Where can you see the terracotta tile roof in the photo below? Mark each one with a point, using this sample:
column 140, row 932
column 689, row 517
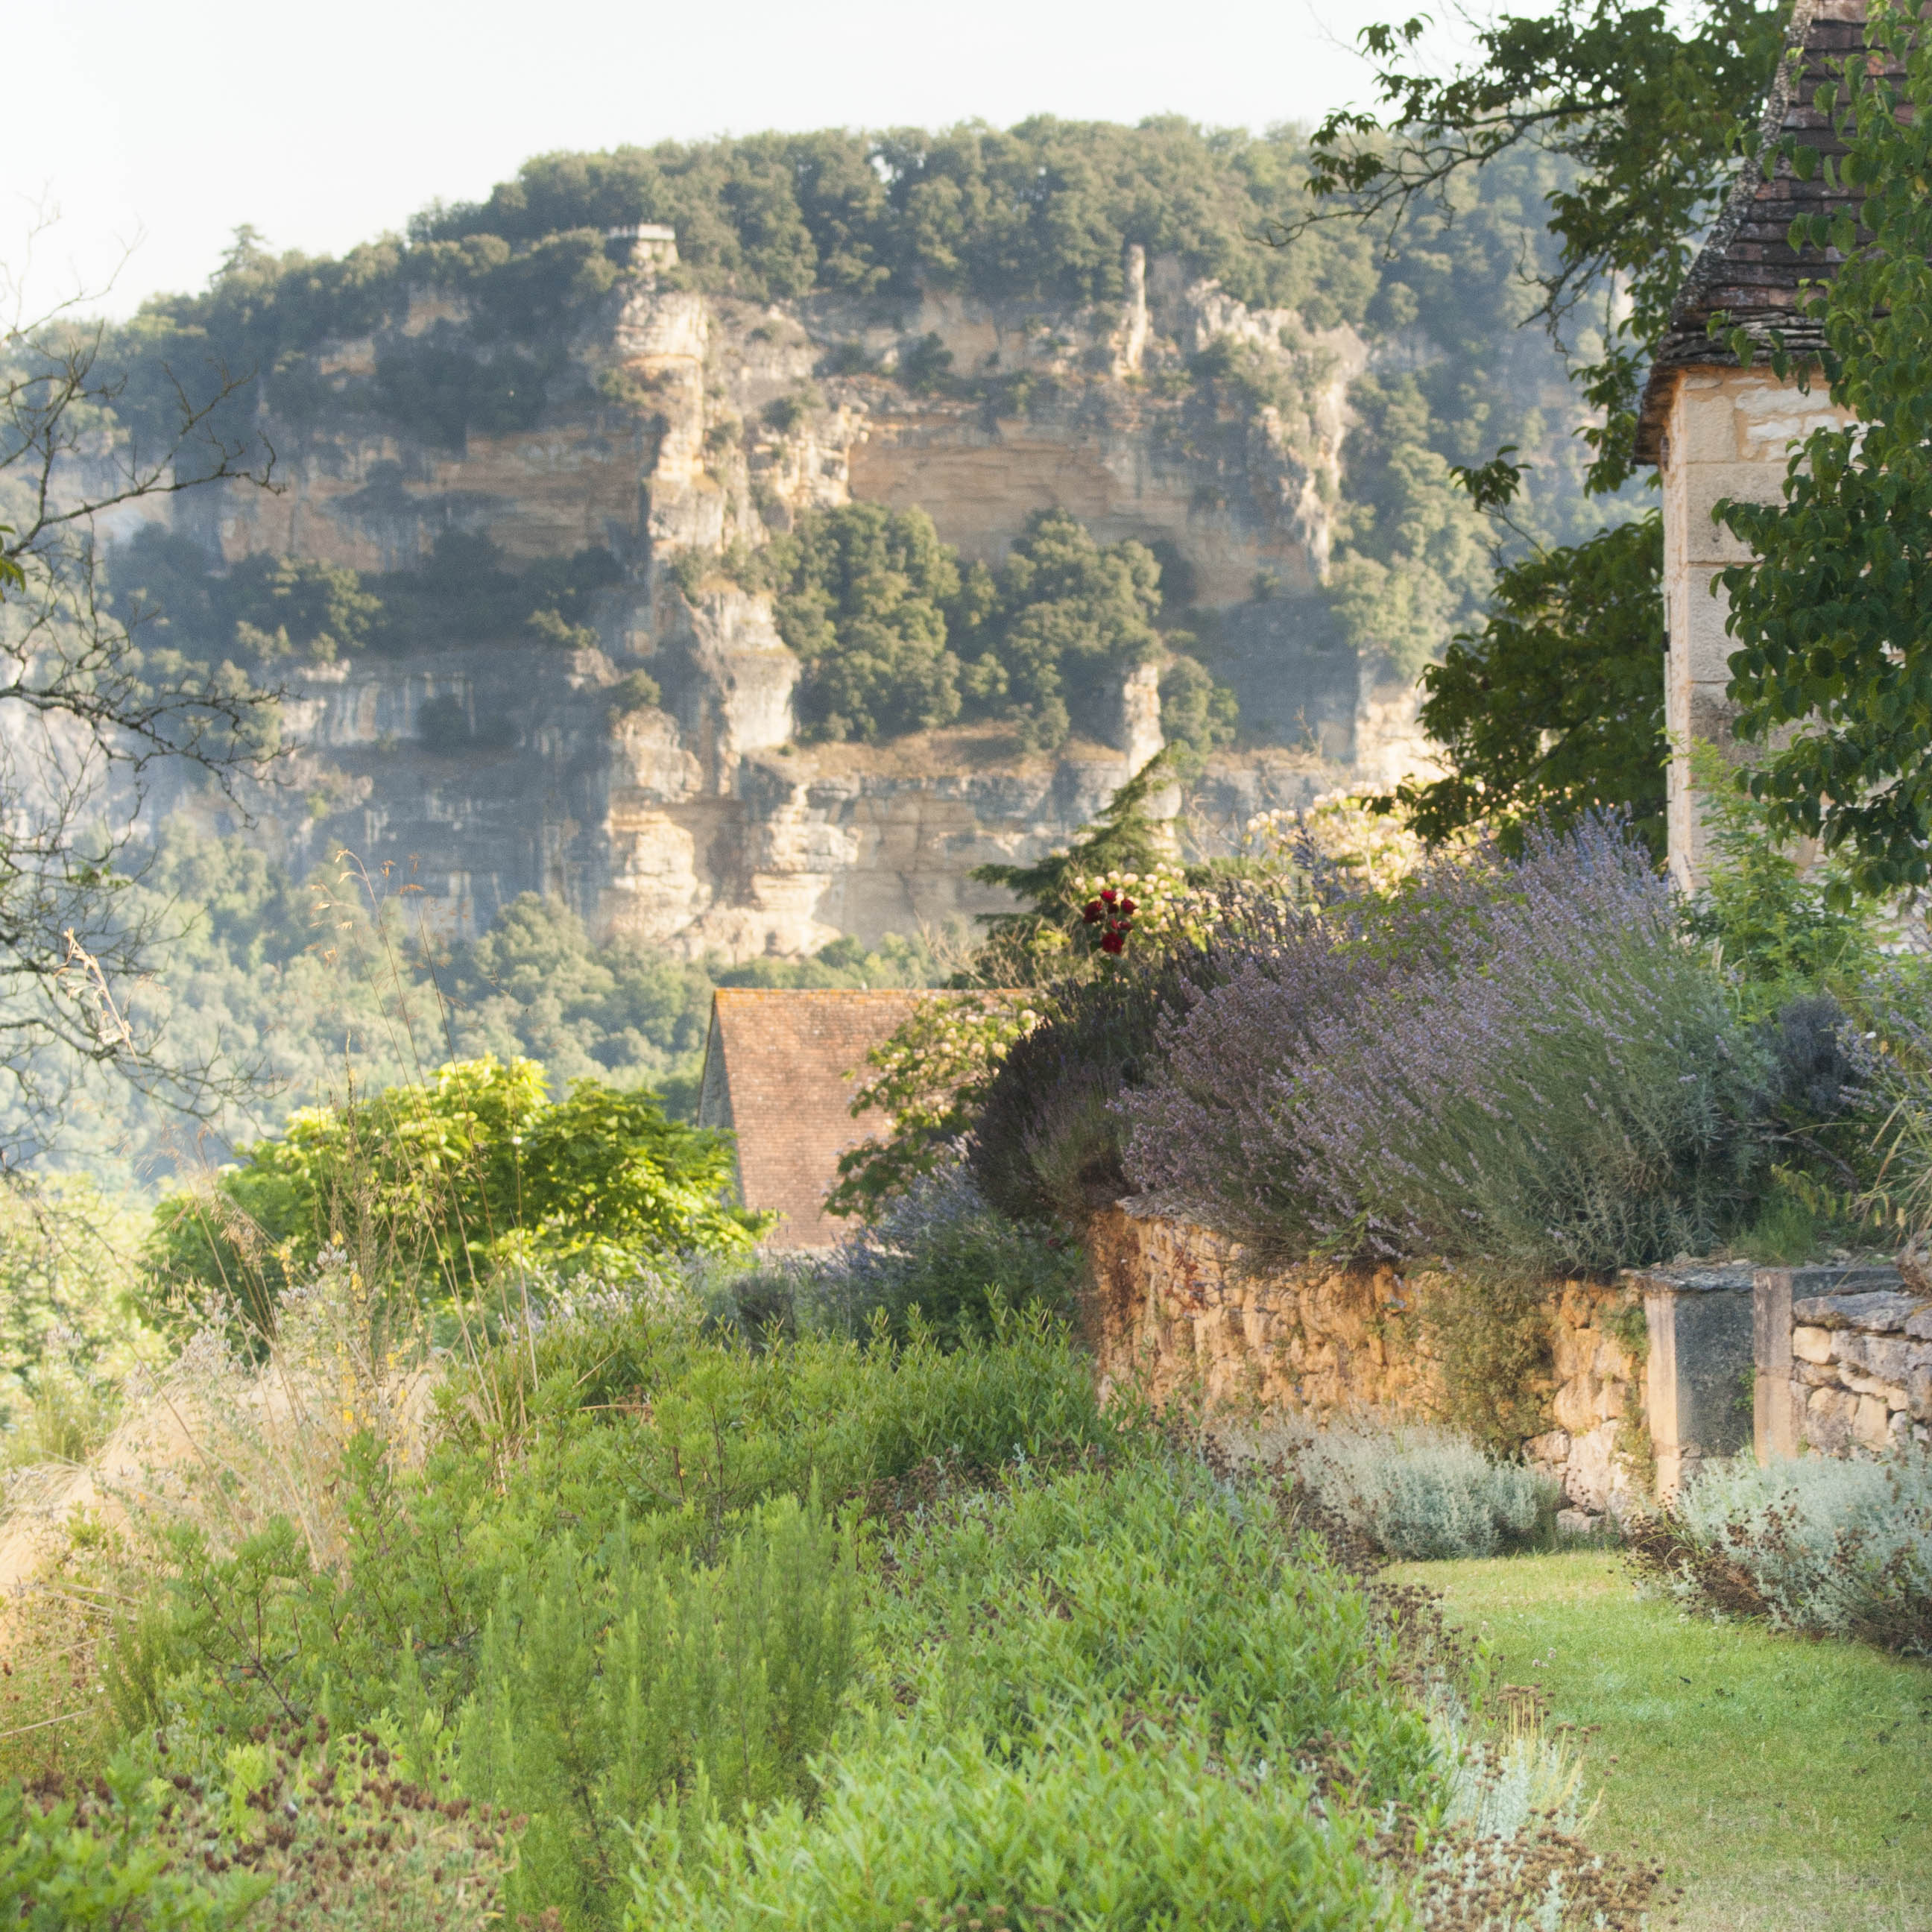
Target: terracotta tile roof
column 1746, row 268
column 780, row 1070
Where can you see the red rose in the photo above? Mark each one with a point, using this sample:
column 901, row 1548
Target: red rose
column 1128, row 908
column 1092, row 912
column 1107, row 894
column 1113, row 940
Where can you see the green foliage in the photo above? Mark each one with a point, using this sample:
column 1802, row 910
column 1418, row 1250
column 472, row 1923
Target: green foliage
column 861, row 595
column 603, row 1693
column 1044, row 210
column 267, row 610
column 1778, row 928
column 1048, row 1143
column 1196, row 710
column 650, row 1439
column 58, row 1871
column 896, row 637
column 1650, row 110
column 291, row 1831
column 69, row 1329
column 286, row 606
column 1029, row 945
column 936, row 1259
column 1554, row 708
column 1490, row 1328
column 1818, row 1544
column 1066, row 618
column 1081, row 1730
column 428, row 1184
column 1830, row 617
column 1415, row 558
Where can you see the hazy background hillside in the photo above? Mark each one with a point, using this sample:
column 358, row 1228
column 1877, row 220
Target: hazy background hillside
column 467, row 639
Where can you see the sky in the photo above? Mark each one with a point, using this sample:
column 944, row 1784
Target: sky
column 151, row 132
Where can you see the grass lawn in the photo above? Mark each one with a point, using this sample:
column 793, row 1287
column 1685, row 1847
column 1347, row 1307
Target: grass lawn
column 1784, row 1783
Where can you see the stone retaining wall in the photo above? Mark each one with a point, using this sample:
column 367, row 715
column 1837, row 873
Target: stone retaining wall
column 1181, row 1314
column 1833, row 1360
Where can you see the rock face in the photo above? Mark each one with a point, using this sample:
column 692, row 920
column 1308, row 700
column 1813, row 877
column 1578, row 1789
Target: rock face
column 688, row 423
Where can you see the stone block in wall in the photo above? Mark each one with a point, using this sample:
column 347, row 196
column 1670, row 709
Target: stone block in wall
column 1825, row 1423
column 1696, row 1381
column 1793, row 1313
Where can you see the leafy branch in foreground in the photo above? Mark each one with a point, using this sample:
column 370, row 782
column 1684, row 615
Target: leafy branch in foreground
column 1554, row 709
column 85, row 717
column 1654, row 108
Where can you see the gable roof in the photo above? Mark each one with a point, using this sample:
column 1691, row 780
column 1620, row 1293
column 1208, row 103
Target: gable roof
column 1747, row 269
column 780, row 1070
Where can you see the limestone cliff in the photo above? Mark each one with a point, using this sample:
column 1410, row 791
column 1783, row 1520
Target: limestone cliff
column 689, row 422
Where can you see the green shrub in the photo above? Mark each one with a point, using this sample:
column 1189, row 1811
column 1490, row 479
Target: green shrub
column 1490, row 1328
column 603, row 1693
column 292, row 1831
column 99, row 1862
column 626, row 1423
column 1105, row 1690
column 938, row 1258
column 1420, row 1494
column 1049, row 1143
column 427, row 1185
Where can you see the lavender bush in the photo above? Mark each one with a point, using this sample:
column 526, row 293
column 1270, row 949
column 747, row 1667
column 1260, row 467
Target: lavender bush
column 1519, row 1059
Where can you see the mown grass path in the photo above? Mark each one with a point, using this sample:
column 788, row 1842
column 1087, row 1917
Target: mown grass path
column 1787, row 1785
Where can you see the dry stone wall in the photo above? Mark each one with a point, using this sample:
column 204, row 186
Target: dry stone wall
column 1843, row 1362
column 1184, row 1315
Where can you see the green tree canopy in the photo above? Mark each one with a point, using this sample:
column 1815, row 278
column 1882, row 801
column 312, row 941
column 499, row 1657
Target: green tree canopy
column 861, row 596
column 1065, row 617
column 1550, row 703
column 427, row 1186
column 1554, row 707
column 896, row 637
column 1651, row 110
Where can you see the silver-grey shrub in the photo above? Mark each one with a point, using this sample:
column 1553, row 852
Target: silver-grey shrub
column 1840, row 1548
column 1419, row 1492
column 1521, row 1060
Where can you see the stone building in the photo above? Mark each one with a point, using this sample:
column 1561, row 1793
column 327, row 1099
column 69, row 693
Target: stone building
column 1714, row 429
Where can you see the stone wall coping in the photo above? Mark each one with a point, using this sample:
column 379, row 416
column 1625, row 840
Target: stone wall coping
column 1834, row 1278
column 1692, row 1278
column 1886, row 1312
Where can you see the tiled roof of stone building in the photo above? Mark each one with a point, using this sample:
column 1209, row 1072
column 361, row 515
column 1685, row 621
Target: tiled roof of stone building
column 780, row 1070
column 1747, row 269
